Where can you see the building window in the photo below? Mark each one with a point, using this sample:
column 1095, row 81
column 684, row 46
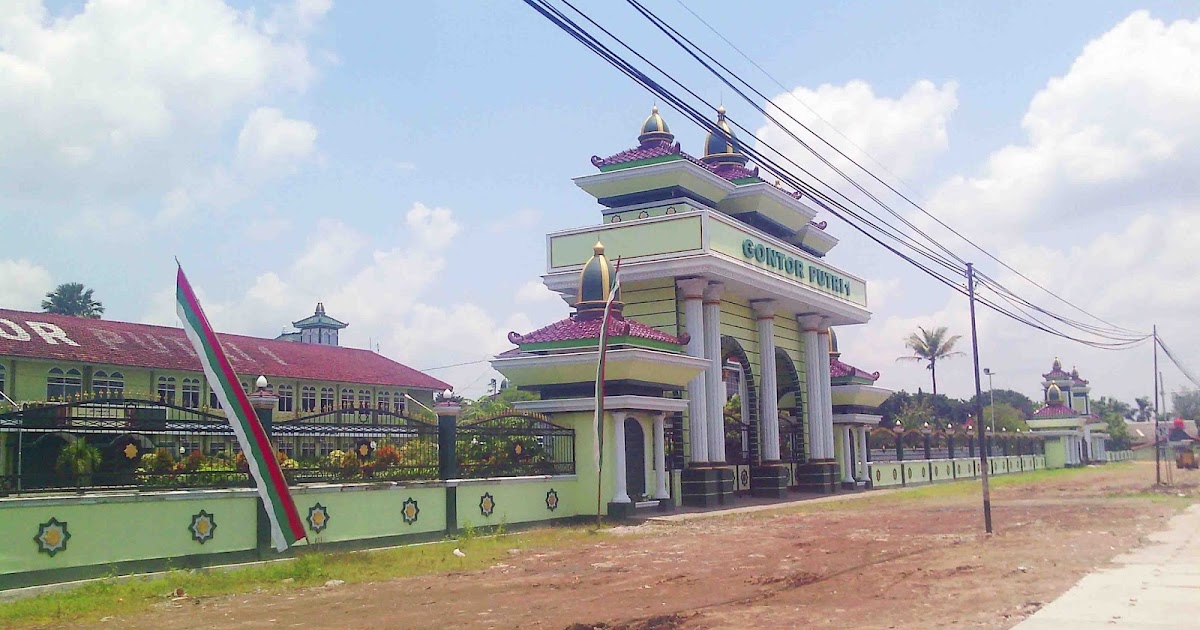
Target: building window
column 2, row 379
column 188, row 445
column 191, row 392
column 285, row 398
column 212, row 400
column 63, row 385
column 326, row 399
column 166, row 390
column 308, row 449
column 108, row 385
column 364, row 398
column 347, row 399
column 308, row 399
column 384, row 400
column 216, row 446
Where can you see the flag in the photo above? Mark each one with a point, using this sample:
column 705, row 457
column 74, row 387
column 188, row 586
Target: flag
column 286, row 526
column 598, row 425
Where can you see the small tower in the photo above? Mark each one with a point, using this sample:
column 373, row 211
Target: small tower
column 320, row 328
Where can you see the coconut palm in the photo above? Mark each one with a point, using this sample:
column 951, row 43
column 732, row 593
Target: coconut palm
column 72, row 298
column 929, row 347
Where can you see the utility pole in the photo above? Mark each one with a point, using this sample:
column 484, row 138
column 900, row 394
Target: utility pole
column 1157, row 445
column 979, row 433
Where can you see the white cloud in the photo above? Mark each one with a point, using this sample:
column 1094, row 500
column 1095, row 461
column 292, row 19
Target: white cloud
column 126, row 101
column 378, row 283
column 1117, row 132
column 1100, row 203
column 904, row 134
column 274, row 145
column 534, row 291
column 23, row 284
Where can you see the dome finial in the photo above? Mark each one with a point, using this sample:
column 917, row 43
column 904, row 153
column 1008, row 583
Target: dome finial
column 722, row 147
column 596, row 284
column 655, row 130
column 598, row 249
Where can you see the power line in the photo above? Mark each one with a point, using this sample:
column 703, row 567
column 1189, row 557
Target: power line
column 592, row 43
column 981, row 249
column 1186, row 372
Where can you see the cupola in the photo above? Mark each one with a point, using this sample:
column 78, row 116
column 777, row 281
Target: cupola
column 596, row 284
column 721, row 146
column 655, row 130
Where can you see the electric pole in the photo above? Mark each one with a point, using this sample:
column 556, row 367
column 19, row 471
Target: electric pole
column 1157, row 444
column 979, row 433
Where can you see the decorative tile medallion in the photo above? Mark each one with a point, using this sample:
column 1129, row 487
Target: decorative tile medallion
column 552, row 500
column 318, row 518
column 203, row 527
column 487, row 504
column 52, row 536
column 518, row 449
column 130, row 451
column 410, row 511
column 745, row 477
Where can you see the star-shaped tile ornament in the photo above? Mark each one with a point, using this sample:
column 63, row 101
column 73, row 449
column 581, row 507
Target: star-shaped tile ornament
column 52, row 536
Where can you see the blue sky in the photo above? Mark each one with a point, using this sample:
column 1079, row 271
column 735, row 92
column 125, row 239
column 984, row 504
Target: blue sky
column 403, row 161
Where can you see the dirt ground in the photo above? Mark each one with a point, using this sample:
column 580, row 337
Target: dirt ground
column 890, row 561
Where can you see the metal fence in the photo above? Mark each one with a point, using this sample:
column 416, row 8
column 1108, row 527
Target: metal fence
column 513, row 444
column 112, row 442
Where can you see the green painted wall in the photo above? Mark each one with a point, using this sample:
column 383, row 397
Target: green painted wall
column 115, row 529
column 514, row 501
column 667, row 235
column 358, row 512
column 1056, row 452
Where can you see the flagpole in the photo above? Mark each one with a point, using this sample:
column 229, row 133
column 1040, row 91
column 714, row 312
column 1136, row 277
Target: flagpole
column 599, row 420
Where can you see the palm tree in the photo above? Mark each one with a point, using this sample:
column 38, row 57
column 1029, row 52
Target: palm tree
column 72, row 298
column 929, row 346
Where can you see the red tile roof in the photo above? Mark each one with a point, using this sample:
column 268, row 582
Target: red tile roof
column 657, row 148
column 104, row 342
column 839, row 369
column 1055, row 411
column 578, row 329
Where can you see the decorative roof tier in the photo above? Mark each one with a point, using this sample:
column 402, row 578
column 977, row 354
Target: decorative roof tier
column 319, row 319
column 582, row 328
column 1075, row 375
column 1056, row 372
column 1055, row 407
column 838, row 369
column 656, row 144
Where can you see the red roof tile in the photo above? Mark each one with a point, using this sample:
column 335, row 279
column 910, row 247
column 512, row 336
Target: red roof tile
column 104, row 342
column 577, row 329
column 1055, row 411
column 839, row 369
column 658, row 148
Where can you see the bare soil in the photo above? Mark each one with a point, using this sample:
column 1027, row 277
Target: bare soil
column 887, row 561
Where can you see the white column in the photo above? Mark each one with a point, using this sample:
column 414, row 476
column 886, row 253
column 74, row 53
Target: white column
column 826, row 391
column 768, row 417
column 620, row 493
column 660, row 458
column 812, row 381
column 693, row 321
column 862, row 453
column 847, row 457
column 715, row 403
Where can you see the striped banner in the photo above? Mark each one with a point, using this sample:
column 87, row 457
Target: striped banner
column 598, row 425
column 286, row 526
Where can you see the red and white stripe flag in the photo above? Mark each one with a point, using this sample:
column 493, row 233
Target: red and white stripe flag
column 286, row 526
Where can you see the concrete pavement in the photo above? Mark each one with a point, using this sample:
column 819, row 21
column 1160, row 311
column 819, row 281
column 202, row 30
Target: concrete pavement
column 1153, row 587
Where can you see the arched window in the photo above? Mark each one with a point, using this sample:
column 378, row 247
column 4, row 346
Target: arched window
column 166, row 389
column 364, row 399
column 347, row 398
column 63, row 385
column 212, row 400
column 308, row 398
column 2, row 379
column 326, row 398
column 286, row 398
column 191, row 392
column 384, row 400
column 108, row 385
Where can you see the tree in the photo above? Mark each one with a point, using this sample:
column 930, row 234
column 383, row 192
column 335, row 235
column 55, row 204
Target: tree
column 489, row 405
column 930, row 347
column 1012, row 398
column 940, row 409
column 1104, row 406
column 1145, row 410
column 1007, row 417
column 1186, row 405
column 73, row 299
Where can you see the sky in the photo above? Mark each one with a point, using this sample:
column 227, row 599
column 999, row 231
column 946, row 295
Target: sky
column 402, row 162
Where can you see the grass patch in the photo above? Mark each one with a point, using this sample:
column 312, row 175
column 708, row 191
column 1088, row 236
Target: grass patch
column 112, row 597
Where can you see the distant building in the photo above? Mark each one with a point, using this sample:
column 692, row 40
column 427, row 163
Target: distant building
column 319, row 329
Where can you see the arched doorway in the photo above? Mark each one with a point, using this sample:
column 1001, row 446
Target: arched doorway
column 635, row 459
column 792, row 449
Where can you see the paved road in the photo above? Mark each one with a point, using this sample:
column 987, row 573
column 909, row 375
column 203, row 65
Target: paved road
column 1152, row 587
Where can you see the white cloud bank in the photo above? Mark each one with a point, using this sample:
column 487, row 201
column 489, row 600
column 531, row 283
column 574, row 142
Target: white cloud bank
column 1100, row 202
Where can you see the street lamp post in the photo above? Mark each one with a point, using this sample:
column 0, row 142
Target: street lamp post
column 925, row 433
column 950, row 440
column 991, row 395
column 899, row 431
